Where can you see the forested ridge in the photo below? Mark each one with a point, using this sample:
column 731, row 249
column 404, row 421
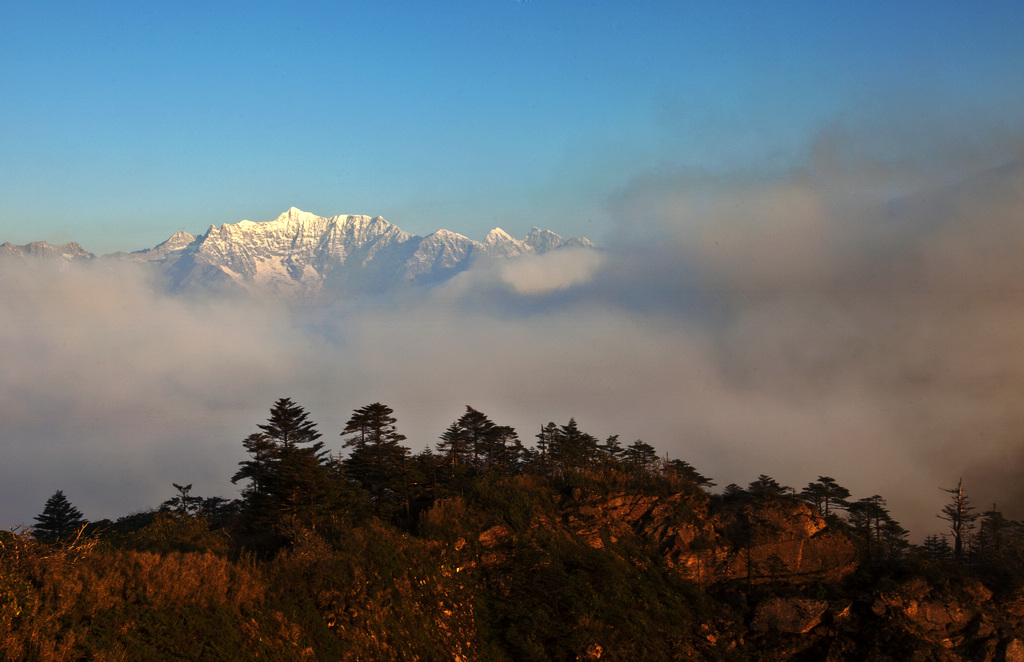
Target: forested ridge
column 484, row 547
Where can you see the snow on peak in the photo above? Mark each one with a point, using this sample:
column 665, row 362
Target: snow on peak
column 496, row 235
column 499, row 243
column 178, row 240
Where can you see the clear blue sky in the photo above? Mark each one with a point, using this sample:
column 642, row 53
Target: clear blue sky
column 122, row 122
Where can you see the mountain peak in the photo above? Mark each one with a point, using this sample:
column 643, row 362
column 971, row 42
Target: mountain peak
column 301, row 254
column 495, row 235
column 177, row 241
column 499, row 243
column 42, row 250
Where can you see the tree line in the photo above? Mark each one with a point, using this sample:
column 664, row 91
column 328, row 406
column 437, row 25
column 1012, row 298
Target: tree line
column 290, row 481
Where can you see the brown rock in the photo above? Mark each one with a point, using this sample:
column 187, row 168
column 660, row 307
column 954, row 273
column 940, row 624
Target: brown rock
column 1014, row 651
column 792, row 615
column 494, row 536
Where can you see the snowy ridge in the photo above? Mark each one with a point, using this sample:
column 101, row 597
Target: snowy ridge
column 305, row 255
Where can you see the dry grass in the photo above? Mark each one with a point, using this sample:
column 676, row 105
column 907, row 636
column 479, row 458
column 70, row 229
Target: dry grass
column 50, row 594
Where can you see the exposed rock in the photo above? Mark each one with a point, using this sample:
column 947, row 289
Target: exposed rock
column 792, row 615
column 783, row 540
column 1014, row 651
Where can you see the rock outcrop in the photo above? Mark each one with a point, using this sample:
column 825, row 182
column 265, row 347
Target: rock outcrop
column 777, row 540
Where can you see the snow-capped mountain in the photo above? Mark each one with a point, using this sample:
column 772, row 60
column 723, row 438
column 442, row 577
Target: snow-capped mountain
column 40, row 250
column 303, row 254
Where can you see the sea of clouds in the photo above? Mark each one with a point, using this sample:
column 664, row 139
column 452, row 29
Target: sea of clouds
column 858, row 317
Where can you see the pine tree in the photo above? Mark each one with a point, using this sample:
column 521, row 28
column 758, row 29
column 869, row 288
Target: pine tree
column 59, row 519
column 826, row 495
column 869, row 518
column 547, row 449
column 687, row 471
column 454, row 445
column 959, row 513
column 481, row 435
column 766, row 486
column 574, row 448
column 377, row 460
column 640, row 456
column 993, row 537
column 183, row 503
column 937, row 548
column 507, row 450
column 287, row 472
column 611, row 450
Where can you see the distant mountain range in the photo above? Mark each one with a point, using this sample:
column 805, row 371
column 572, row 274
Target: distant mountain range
column 305, row 255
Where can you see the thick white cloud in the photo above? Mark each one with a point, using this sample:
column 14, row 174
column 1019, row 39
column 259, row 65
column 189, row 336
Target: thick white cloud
column 857, row 320
column 550, row 272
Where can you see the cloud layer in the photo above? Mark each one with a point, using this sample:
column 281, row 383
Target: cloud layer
column 861, row 318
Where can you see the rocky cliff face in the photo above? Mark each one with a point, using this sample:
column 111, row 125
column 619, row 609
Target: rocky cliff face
column 789, row 580
column 782, row 540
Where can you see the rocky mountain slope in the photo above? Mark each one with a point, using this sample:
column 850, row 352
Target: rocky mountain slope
column 41, row 250
column 516, row 569
column 302, row 254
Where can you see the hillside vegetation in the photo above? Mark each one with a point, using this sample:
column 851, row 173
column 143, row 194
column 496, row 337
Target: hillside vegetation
column 484, row 549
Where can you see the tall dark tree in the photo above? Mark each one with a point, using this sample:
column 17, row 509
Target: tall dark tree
column 183, row 503
column 993, row 540
column 611, row 450
column 574, row 449
column 454, row 446
column 766, row 486
column 640, row 457
column 826, row 495
column 508, row 451
column 936, row 548
column 547, row 449
column 377, row 459
column 689, row 472
column 961, row 516
column 869, row 518
column 289, row 426
column 287, row 472
column 59, row 519
column 481, row 435
column 260, row 468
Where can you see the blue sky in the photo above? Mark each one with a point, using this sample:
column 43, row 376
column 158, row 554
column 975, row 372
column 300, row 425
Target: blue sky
column 122, row 122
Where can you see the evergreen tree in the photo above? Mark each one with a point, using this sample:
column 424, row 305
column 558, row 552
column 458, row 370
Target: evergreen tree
column 937, row 548
column 377, row 460
column 640, row 457
column 509, row 452
column 766, row 486
column 573, row 448
column 454, row 446
column 547, row 449
column 183, row 503
column 477, row 442
column 959, row 513
column 734, row 491
column 687, row 470
column 826, row 495
column 994, row 536
column 287, row 472
column 893, row 538
column 611, row 450
column 869, row 517
column 481, row 435
column 59, row 519
column 289, row 426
